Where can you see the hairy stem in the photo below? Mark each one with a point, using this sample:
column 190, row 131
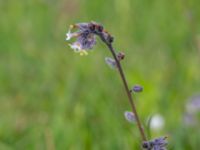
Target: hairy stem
column 109, row 45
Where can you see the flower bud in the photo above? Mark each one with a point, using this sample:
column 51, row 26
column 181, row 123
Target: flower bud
column 111, row 62
column 91, row 26
column 137, row 88
column 120, row 56
column 99, row 28
column 130, row 117
column 156, row 144
column 110, row 39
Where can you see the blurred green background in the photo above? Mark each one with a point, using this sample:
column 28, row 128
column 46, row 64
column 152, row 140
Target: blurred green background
column 54, row 99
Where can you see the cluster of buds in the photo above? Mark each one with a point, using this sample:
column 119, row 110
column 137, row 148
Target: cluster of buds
column 155, row 144
column 86, row 36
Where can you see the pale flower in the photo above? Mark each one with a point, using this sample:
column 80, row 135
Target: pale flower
column 157, row 122
column 85, row 38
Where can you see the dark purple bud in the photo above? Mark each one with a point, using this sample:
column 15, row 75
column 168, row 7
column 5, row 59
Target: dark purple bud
column 120, row 56
column 137, row 88
column 99, row 28
column 110, row 39
column 91, row 27
column 106, row 37
column 146, row 145
column 155, row 144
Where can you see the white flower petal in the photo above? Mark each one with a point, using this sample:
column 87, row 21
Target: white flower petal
column 68, row 34
column 75, row 46
column 71, row 35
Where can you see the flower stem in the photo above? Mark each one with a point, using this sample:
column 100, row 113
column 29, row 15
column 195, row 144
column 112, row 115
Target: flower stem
column 109, row 45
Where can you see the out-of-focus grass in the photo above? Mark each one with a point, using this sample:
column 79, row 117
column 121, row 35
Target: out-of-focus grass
column 51, row 98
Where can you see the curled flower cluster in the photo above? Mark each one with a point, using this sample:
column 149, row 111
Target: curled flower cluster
column 86, row 36
column 155, row 144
